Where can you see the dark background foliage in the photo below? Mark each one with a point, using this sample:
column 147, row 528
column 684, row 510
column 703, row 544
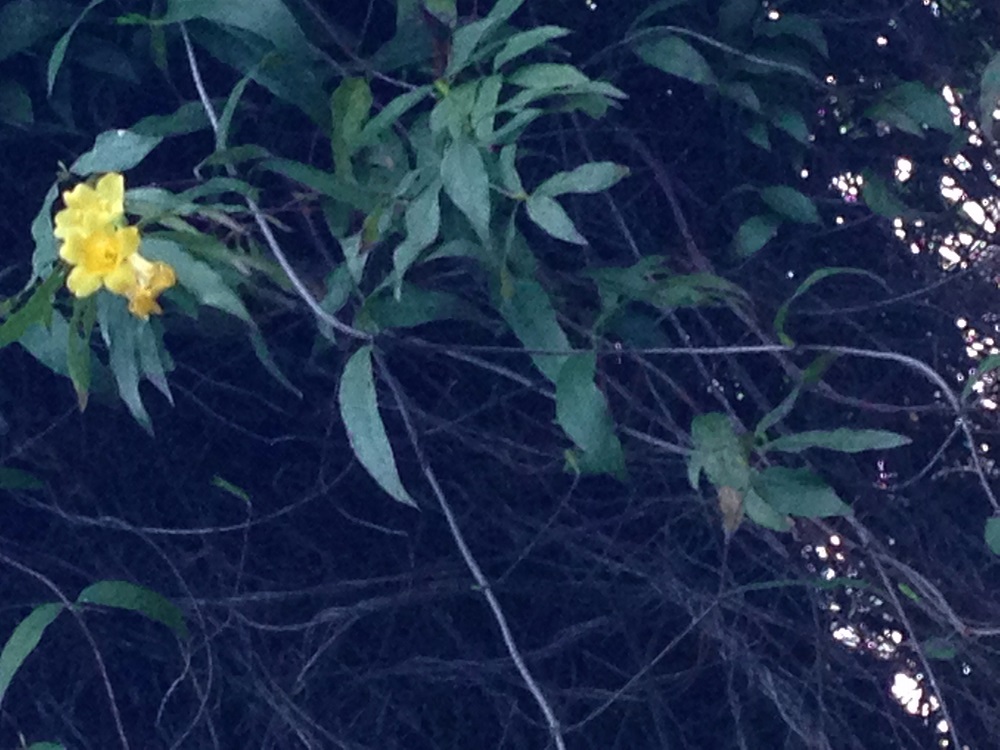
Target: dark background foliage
column 325, row 615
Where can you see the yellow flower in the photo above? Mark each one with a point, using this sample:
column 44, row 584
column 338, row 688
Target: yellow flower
column 93, row 240
column 148, row 280
column 85, row 205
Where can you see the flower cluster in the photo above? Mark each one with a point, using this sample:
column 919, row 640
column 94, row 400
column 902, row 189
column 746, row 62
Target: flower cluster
column 104, row 250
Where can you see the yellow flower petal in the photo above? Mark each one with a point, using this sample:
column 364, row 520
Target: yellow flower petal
column 88, row 208
column 121, row 280
column 142, row 305
column 146, row 281
column 82, row 283
column 111, row 189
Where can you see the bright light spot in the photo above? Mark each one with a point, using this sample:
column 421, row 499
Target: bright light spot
column 881, row 41
column 961, row 322
column 839, row 220
column 831, row 79
column 963, row 164
column 773, row 14
column 821, row 553
column 908, row 692
column 950, row 256
column 804, row 173
column 904, row 169
column 974, row 211
column 847, row 636
column 954, row 194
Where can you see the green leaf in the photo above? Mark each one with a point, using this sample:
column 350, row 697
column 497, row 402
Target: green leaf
column 46, row 249
column 423, row 222
column 792, row 122
column 841, row 439
column 989, row 92
column 737, row 16
column 149, row 603
column 115, row 151
column 797, row 25
column 939, row 649
column 464, row 178
column 198, row 277
column 763, row 514
column 235, row 490
column 120, row 334
column 59, row 51
column 37, row 308
column 350, row 105
column 798, row 492
column 16, row 479
column 754, row 233
column 267, row 19
column 757, row 135
column 550, row 76
column 470, row 36
column 593, row 177
column 912, row 105
column 454, row 112
column 443, row 10
column 530, row 315
column 363, row 423
column 909, row 592
column 791, row 204
column 15, row 103
column 675, row 56
column 78, row 347
column 484, row 110
column 719, row 451
column 229, row 110
column 508, row 171
column 582, row 412
column 814, row 278
column 390, row 115
column 525, row 41
column 23, row 641
column 741, row 93
column 880, row 197
column 990, row 363
column 25, row 22
column 778, row 413
column 553, row 219
column 993, row 534
column 417, row 306
column 187, row 118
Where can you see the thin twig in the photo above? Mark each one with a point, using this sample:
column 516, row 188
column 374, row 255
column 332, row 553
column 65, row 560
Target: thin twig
column 470, row 561
column 73, row 610
column 258, row 215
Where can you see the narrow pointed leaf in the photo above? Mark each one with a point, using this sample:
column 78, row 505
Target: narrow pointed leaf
column 363, row 423
column 463, row 175
column 126, row 595
column 553, row 219
column 842, row 439
column 798, row 492
column 23, row 641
